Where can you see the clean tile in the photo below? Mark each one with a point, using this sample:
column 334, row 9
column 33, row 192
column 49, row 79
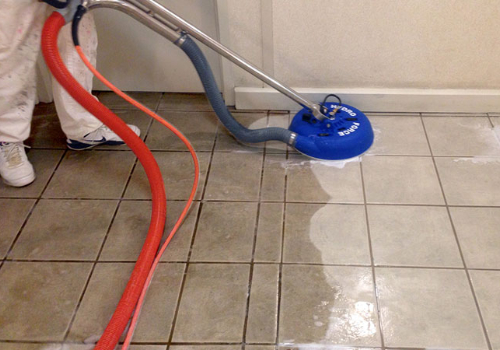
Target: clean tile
column 269, row 233
column 12, row 217
column 273, row 178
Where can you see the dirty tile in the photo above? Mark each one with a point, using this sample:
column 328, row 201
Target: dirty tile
column 46, row 132
column 263, row 309
column 104, row 291
column 478, row 232
column 94, row 174
column 279, row 121
column 323, row 181
column 44, row 109
column 234, row 176
column 401, row 180
column 225, row 232
column 415, row 302
column 486, row 286
column 37, row 300
column 227, row 142
column 413, row 236
column 30, row 346
column 461, row 136
column 12, row 216
column 326, row 234
column 200, row 128
column 177, row 169
column 130, row 228
column 65, row 230
column 396, row 135
column 44, row 162
column 269, row 233
column 339, row 310
column 470, row 181
column 213, row 304
column 273, row 179
column 113, row 101
column 184, row 102
column 205, row 347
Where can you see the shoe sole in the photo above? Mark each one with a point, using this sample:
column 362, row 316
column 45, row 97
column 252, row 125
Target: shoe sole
column 80, row 146
column 24, row 181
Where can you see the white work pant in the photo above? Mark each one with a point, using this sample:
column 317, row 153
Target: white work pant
column 21, row 23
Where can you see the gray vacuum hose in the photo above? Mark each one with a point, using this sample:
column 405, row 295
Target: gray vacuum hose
column 214, row 96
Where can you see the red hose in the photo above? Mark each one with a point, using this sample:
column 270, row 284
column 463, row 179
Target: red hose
column 128, row 301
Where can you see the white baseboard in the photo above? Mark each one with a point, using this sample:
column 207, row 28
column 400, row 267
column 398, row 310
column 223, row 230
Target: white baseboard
column 379, row 100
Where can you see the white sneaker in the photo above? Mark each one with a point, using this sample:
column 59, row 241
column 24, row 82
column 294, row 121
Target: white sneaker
column 15, row 168
column 101, row 136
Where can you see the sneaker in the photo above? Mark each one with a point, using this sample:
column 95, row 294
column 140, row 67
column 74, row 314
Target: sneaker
column 101, row 136
column 15, row 168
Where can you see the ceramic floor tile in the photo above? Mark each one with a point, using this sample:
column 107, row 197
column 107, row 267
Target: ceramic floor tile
column 422, row 308
column 227, row 142
column 200, row 128
column 30, row 346
column 328, row 305
column 269, row 233
column 263, row 309
column 178, row 179
column 213, row 304
column 234, row 176
column 323, row 181
column 279, row 121
column 401, row 180
column 111, row 100
column 13, row 213
column 225, row 232
column 273, row 179
column 93, row 174
column 44, row 162
column 478, row 232
column 326, row 234
column 64, row 230
column 260, row 347
column 46, row 132
column 37, row 300
column 104, row 291
column 44, row 109
column 185, row 102
column 461, row 136
column 470, row 181
column 486, row 286
column 205, row 347
column 413, row 236
column 398, row 136
column 130, row 228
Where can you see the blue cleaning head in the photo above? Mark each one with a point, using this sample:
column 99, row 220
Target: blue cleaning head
column 347, row 134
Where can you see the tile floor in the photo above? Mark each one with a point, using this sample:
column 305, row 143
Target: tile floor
column 398, row 249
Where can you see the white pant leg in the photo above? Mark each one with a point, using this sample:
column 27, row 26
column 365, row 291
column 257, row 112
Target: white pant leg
column 76, row 122
column 21, row 22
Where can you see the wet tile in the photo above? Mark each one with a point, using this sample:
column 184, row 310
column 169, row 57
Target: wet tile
column 178, row 175
column 184, row 102
column 213, row 304
column 46, row 132
column 37, row 300
column 414, row 303
column 477, row 231
column 65, row 230
column 328, row 305
column 225, row 232
column 396, row 135
column 104, row 291
column 113, row 101
column 461, row 136
column 130, row 228
column 269, row 233
column 94, row 174
column 486, row 286
column 273, row 179
column 30, row 346
column 326, row 234
column 413, row 236
column 323, row 181
column 401, row 180
column 44, row 162
column 263, row 309
column 13, row 213
column 200, row 128
column 279, row 121
column 227, row 142
column 234, row 176
column 470, row 181
column 205, row 347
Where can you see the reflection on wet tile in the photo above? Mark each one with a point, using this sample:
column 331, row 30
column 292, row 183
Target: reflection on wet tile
column 184, row 102
column 213, row 304
column 323, row 181
column 326, row 234
column 273, row 179
column 113, row 101
column 38, row 299
column 12, row 216
column 470, row 181
column 269, row 233
column 412, row 236
column 422, row 308
column 46, row 132
column 401, row 180
column 227, row 142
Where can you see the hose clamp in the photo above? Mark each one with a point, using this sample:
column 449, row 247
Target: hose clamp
column 293, row 139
